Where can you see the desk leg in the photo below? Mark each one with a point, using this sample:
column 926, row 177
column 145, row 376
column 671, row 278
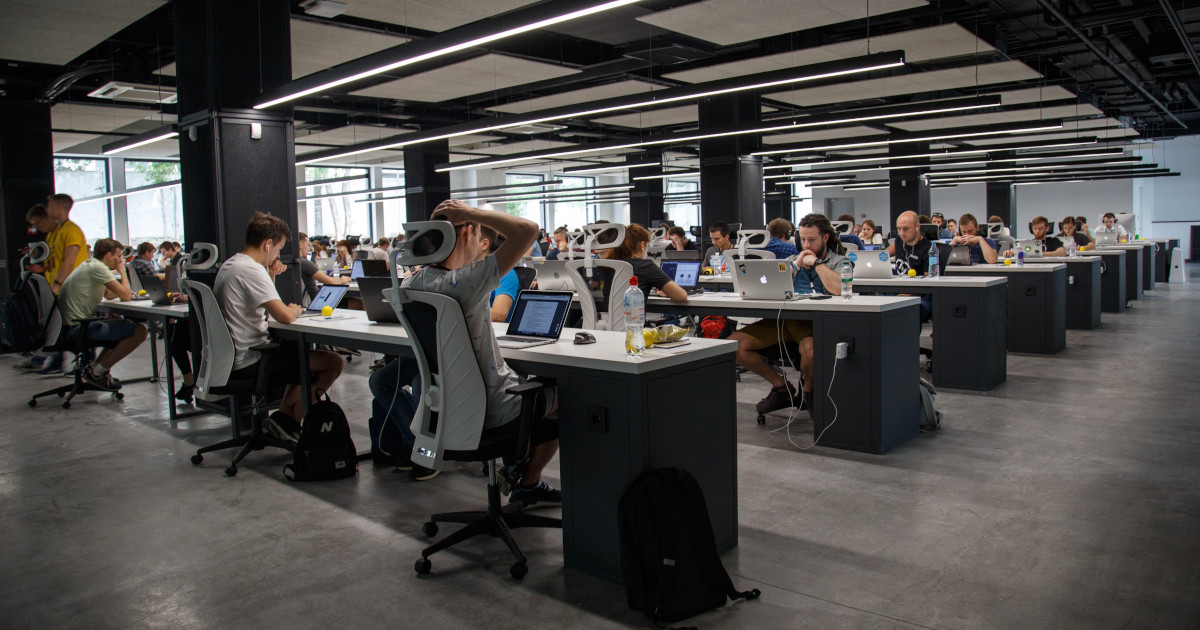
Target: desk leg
column 154, row 353
column 171, row 407
column 305, row 376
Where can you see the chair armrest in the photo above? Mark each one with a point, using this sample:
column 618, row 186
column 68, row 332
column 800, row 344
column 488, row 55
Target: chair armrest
column 530, row 386
column 266, row 346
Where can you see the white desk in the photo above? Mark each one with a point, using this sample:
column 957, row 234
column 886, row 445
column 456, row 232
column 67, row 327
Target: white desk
column 1037, row 307
column 146, row 311
column 618, row 418
column 876, row 386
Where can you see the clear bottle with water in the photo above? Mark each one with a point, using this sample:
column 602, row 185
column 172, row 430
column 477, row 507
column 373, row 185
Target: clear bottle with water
column 715, row 262
column 635, row 319
column 847, row 272
column 935, row 261
column 1071, row 245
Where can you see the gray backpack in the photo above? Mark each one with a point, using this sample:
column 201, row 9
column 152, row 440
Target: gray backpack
column 931, row 418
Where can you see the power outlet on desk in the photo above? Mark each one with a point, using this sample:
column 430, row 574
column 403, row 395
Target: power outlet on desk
column 844, row 347
column 959, row 310
column 1030, row 291
column 597, row 419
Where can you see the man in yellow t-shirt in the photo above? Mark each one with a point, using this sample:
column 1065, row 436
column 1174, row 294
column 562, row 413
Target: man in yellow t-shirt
column 68, row 247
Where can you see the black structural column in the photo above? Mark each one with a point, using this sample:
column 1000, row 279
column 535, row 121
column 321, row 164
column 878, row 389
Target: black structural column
column 907, row 189
column 26, row 176
column 778, row 201
column 1001, row 202
column 646, row 196
column 731, row 187
column 235, row 160
column 424, row 187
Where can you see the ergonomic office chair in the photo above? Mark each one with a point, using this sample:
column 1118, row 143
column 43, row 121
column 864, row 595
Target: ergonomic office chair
column 599, row 283
column 51, row 321
column 525, row 276
column 448, row 425
column 749, row 246
column 213, row 375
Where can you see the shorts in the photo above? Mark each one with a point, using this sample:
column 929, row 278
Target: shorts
column 544, row 429
column 107, row 330
column 766, row 331
column 284, row 366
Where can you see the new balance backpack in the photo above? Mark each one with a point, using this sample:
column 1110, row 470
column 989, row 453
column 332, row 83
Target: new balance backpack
column 324, row 450
column 669, row 558
column 19, row 318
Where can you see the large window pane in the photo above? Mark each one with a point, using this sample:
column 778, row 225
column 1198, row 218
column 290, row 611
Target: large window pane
column 395, row 212
column 82, row 178
column 686, row 213
column 802, row 205
column 531, row 210
column 338, row 215
column 154, row 215
column 573, row 214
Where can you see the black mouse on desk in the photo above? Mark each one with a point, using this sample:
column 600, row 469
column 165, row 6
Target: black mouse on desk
column 584, row 337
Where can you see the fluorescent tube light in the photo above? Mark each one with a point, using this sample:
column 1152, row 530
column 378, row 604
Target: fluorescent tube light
column 667, row 175
column 922, row 138
column 140, row 140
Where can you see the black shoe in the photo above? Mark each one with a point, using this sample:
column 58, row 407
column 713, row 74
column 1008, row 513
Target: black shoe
column 778, row 398
column 99, row 382
column 282, row 426
column 404, row 464
column 186, row 393
column 806, row 401
column 421, row 473
column 541, row 495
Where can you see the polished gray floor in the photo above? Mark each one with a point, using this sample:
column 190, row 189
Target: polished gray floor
column 1069, row 497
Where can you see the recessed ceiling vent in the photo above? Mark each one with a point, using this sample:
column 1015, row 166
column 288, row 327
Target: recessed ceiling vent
column 135, row 93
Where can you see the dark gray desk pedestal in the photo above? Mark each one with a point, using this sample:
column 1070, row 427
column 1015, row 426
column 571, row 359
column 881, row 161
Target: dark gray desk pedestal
column 1133, row 273
column 1037, row 306
column 1083, row 290
column 1113, row 276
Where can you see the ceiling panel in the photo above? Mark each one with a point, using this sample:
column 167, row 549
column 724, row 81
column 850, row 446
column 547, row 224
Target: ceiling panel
column 316, row 46
column 938, row 42
column 473, row 76
column 574, row 97
column 1116, row 133
column 653, row 118
column 430, row 15
column 823, row 134
column 943, row 122
column 522, row 147
column 64, row 142
column 917, row 82
column 728, row 22
column 350, row 134
column 57, row 31
column 1034, row 95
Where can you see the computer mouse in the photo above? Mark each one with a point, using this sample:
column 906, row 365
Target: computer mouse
column 584, row 337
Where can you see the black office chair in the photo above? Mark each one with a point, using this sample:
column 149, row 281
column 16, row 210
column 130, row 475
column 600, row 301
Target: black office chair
column 525, row 276
column 449, row 420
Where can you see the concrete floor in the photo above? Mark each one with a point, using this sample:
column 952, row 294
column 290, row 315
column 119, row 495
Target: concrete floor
column 1069, row 497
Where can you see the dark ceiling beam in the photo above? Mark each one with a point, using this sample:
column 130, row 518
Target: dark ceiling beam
column 1182, row 33
column 1049, row 6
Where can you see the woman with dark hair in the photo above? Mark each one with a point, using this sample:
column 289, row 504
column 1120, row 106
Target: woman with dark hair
column 649, row 276
column 870, row 234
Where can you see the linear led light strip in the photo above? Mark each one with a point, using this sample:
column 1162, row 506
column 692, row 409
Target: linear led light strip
column 667, row 175
column 372, row 191
column 1082, row 180
column 870, row 63
column 141, row 143
column 1026, row 158
column 471, row 43
column 878, row 143
column 1032, row 167
column 530, row 194
column 1147, row 167
column 757, row 130
column 879, row 158
column 886, row 167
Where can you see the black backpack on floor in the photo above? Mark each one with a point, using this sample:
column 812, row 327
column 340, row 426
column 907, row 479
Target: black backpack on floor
column 669, row 558
column 325, row 450
column 19, row 318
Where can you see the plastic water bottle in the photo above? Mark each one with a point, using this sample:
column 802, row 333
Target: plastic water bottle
column 715, row 262
column 847, row 280
column 935, row 261
column 1071, row 245
column 635, row 319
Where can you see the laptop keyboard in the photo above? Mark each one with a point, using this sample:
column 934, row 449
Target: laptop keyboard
column 518, row 338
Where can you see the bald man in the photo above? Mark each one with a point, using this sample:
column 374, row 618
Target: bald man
column 910, row 251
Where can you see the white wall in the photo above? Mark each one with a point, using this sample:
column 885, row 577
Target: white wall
column 1056, row 201
column 1169, row 206
column 868, row 204
column 957, row 201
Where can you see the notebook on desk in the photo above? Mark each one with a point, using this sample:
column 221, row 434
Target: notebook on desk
column 537, row 318
column 871, row 265
column 330, row 295
column 763, row 279
column 686, row 274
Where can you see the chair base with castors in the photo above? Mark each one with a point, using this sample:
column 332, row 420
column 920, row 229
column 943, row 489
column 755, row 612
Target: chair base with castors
column 257, row 440
column 85, row 354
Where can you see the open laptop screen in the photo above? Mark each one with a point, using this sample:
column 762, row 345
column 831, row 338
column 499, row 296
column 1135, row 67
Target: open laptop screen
column 683, row 273
column 329, row 295
column 540, row 313
column 356, row 271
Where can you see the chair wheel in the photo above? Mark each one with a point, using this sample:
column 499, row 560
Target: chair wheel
column 423, row 566
column 761, row 419
column 518, row 570
column 33, row 402
column 67, row 405
column 231, row 471
column 118, row 395
column 430, row 529
column 197, row 459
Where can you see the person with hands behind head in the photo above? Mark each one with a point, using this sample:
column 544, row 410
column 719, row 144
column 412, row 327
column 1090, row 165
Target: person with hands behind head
column 983, row 250
column 1051, row 246
column 245, row 291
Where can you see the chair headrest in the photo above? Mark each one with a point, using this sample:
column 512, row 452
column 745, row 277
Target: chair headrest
column 202, row 256
column 38, row 252
column 603, row 235
column 754, row 238
column 425, row 243
column 841, row 227
column 659, row 233
column 127, row 252
column 995, row 229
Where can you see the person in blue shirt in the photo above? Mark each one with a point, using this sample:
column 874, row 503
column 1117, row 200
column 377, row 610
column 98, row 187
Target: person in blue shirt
column 937, row 219
column 504, row 297
column 560, row 244
column 780, row 229
column 983, row 250
column 850, row 236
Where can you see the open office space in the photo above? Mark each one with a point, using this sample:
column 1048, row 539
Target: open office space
column 1061, row 491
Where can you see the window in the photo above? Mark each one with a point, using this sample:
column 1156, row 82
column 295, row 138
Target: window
column 82, row 178
column 395, row 211
column 528, row 209
column 154, row 215
column 338, row 214
column 573, row 214
column 802, row 203
column 686, row 213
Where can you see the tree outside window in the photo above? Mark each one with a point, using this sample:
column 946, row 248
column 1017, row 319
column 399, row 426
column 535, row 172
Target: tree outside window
column 528, row 209
column 338, row 215
column 154, row 215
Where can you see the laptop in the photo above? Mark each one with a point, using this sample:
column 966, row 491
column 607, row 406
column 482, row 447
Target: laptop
column 872, row 247
column 763, row 279
column 329, row 295
column 155, row 290
column 1106, row 238
column 1031, row 247
column 871, row 265
column 552, row 275
column 379, row 310
column 368, row 268
column 684, row 273
column 537, row 319
column 324, row 264
column 173, row 279
column 960, row 255
column 676, row 254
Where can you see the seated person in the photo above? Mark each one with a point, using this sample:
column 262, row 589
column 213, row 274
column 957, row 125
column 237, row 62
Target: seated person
column 468, row 280
column 504, row 297
column 937, row 219
column 952, row 225
column 850, row 236
column 143, row 260
column 380, row 251
column 817, row 270
column 560, row 243
column 869, row 234
column 1111, row 225
column 910, row 250
column 679, row 239
column 1081, row 226
column 780, row 230
column 1070, row 231
column 649, row 276
column 91, row 282
column 345, row 255
column 245, row 291
column 719, row 234
column 1050, row 246
column 172, row 255
column 310, row 275
column 983, row 250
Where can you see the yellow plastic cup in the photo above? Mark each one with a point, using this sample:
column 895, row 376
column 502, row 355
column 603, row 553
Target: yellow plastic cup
column 327, row 311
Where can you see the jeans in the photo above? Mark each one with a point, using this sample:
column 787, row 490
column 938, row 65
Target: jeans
column 107, row 330
column 392, row 403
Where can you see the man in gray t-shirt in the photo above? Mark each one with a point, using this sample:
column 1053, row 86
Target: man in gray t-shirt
column 470, row 280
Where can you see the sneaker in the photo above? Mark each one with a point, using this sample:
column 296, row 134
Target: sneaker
column 30, row 364
column 421, row 473
column 404, row 465
column 541, row 495
column 806, row 401
column 778, row 399
column 99, row 382
column 113, row 383
column 54, row 365
column 282, row 426
column 186, row 393
column 507, row 477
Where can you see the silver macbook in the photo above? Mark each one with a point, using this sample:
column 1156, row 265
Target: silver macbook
column 329, row 295
column 960, row 255
column 871, row 264
column 1031, row 247
column 763, row 279
column 537, row 318
column 686, row 274
column 552, row 275
column 1106, row 238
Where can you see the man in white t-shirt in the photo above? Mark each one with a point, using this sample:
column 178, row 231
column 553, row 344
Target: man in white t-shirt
column 1111, row 225
column 470, row 280
column 245, row 289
